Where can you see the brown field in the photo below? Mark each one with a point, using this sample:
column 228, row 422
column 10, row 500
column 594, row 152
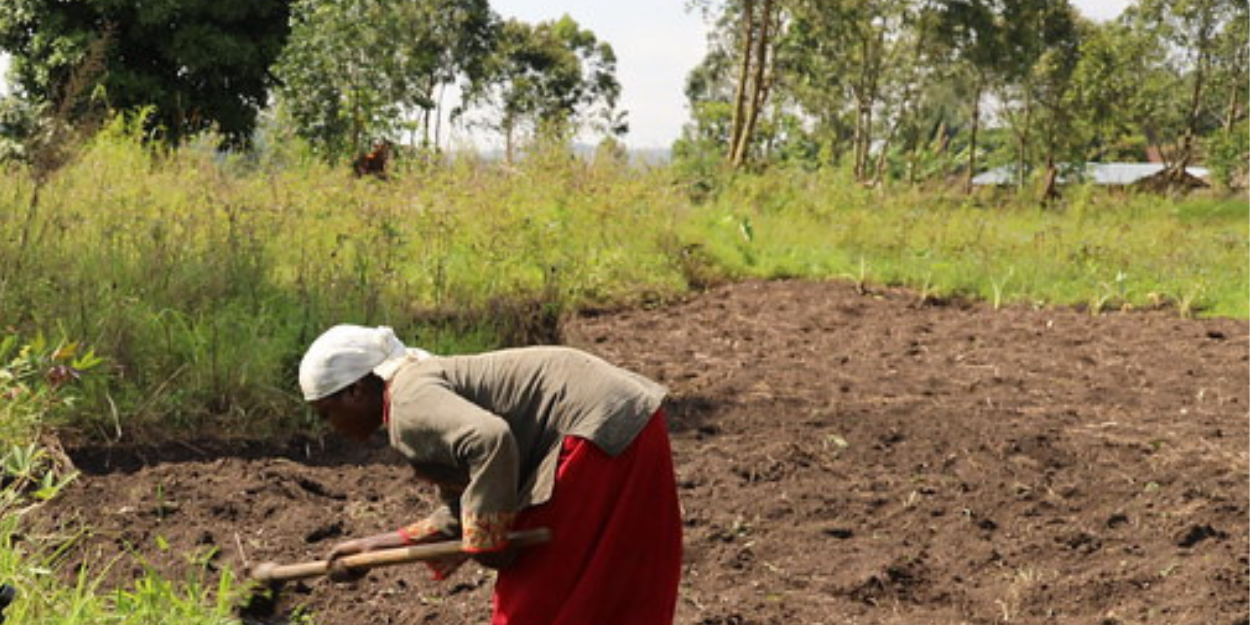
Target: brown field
column 842, row 458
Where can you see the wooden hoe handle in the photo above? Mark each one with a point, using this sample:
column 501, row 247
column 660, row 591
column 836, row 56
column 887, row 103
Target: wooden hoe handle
column 274, row 572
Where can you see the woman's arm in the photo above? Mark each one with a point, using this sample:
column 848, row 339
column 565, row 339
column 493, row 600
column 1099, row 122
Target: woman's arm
column 436, row 426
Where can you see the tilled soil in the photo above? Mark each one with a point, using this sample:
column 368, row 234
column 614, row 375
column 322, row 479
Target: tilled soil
column 842, row 457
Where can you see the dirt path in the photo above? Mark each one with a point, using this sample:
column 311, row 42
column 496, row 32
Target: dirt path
column 842, row 458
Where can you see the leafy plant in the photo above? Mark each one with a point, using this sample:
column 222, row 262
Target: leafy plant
column 37, row 379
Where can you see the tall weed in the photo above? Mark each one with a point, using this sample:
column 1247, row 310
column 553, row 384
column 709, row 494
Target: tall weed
column 202, row 277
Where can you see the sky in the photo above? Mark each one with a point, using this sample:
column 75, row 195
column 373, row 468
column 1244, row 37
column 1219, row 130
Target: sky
column 657, row 43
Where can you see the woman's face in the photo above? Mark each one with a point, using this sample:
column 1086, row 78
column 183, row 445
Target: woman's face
column 356, row 412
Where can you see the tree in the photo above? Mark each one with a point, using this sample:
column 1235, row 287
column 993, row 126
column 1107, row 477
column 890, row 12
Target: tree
column 865, row 59
column 553, row 77
column 1231, row 65
column 1112, row 82
column 1228, row 150
column 759, row 25
column 462, row 35
column 355, row 69
column 1052, row 86
column 1041, row 48
column 1188, row 32
column 18, row 122
column 972, row 34
column 198, row 63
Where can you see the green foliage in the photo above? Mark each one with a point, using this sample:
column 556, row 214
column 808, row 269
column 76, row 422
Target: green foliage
column 38, row 380
column 699, row 155
column 199, row 63
column 18, row 123
column 1228, row 152
column 30, row 474
column 354, row 69
column 1187, row 34
column 903, row 88
column 35, row 565
column 550, row 78
column 201, row 280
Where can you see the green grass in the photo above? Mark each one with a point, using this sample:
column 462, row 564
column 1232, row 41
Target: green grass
column 57, row 579
column 1095, row 250
column 36, row 565
column 200, row 279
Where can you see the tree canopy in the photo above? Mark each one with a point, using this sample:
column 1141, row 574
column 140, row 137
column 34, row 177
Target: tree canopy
column 890, row 85
column 197, row 64
column 357, row 71
column 551, row 77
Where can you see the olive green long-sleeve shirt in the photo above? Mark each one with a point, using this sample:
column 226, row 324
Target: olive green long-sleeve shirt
column 488, row 428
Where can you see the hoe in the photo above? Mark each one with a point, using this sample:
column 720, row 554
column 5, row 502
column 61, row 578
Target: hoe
column 271, row 574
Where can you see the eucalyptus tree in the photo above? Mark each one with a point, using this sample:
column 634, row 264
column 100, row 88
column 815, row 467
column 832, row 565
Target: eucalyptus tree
column 1231, row 66
column 736, row 82
column 836, row 54
column 195, row 64
column 719, row 88
column 1188, row 33
column 355, row 69
column 870, row 62
column 759, row 23
column 1121, row 89
column 1051, row 83
column 847, row 72
column 552, row 78
column 460, row 34
column 1228, row 148
column 1041, row 47
column 710, row 94
column 972, row 36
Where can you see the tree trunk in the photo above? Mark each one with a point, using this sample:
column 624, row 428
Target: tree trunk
column 508, row 124
column 1195, row 106
column 1022, row 148
column 1191, row 126
column 438, row 118
column 1233, row 112
column 744, row 73
column 759, row 86
column 879, row 170
column 425, row 127
column 357, row 127
column 863, row 104
column 427, row 112
column 906, row 103
column 903, row 117
column 972, row 139
column 1051, row 190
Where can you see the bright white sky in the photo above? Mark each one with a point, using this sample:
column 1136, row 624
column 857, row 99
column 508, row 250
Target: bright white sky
column 657, row 42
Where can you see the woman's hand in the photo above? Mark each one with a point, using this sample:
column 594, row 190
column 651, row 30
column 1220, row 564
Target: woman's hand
column 340, row 573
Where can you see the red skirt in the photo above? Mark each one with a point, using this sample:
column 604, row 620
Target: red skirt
column 615, row 553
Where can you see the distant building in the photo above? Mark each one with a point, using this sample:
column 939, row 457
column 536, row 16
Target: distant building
column 1147, row 175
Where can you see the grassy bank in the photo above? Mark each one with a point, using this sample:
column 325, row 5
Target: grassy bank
column 1096, row 250
column 200, row 279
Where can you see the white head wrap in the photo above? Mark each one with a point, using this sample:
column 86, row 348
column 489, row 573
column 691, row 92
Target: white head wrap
column 346, row 353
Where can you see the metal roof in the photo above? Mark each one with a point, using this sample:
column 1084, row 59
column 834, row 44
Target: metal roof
column 1108, row 174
